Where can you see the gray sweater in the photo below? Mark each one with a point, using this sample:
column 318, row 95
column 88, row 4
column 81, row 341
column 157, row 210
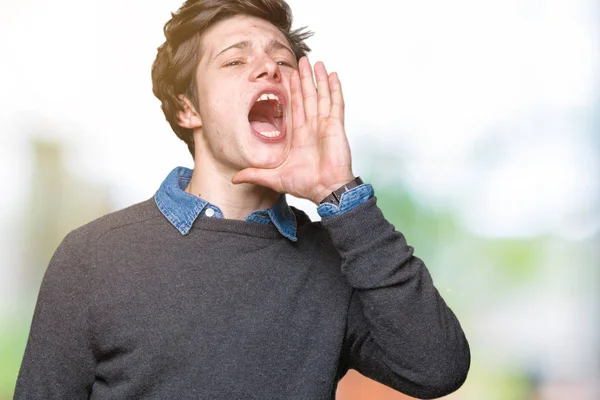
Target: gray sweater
column 131, row 309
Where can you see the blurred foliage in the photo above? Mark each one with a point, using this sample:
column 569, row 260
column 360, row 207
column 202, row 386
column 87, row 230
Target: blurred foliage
column 519, row 259
column 434, row 231
column 13, row 337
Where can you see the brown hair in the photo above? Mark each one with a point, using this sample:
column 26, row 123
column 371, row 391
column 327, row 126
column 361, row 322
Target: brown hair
column 173, row 70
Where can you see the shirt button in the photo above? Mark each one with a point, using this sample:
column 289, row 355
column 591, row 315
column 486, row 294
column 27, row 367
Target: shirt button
column 209, row 212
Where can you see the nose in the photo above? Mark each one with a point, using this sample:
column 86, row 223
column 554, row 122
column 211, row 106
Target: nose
column 266, row 69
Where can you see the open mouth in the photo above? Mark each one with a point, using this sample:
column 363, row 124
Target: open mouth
column 266, row 117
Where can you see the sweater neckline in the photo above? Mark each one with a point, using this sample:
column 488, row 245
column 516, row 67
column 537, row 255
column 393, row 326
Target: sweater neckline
column 244, row 228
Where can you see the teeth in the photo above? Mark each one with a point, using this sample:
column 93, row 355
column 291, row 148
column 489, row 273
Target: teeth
column 271, row 134
column 268, row 96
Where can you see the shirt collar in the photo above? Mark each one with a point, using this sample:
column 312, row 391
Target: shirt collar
column 182, row 208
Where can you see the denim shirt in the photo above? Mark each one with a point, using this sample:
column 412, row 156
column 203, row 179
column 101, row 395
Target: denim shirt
column 182, row 208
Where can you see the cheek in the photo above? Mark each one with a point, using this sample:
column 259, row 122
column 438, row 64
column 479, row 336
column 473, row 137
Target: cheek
column 216, row 103
column 226, row 112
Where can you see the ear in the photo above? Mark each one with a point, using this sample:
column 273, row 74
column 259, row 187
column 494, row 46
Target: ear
column 188, row 117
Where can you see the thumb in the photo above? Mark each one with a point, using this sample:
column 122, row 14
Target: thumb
column 261, row 177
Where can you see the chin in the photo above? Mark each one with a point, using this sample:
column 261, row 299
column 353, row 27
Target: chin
column 269, row 159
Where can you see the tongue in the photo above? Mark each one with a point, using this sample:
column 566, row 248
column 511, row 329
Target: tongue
column 263, row 126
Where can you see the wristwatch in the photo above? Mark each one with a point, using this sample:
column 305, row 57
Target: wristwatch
column 334, row 197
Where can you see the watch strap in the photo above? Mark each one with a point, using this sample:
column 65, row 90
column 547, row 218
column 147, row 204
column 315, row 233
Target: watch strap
column 335, row 196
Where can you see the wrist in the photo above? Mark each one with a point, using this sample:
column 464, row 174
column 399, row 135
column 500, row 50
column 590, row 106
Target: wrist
column 334, row 196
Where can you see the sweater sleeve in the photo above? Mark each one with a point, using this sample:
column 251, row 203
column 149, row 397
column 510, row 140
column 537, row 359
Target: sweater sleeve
column 58, row 362
column 400, row 331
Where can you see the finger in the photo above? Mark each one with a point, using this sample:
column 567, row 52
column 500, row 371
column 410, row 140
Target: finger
column 323, row 94
column 309, row 91
column 262, row 177
column 337, row 97
column 298, row 117
column 300, row 135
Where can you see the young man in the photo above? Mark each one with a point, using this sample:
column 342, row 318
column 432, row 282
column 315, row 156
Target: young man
column 216, row 288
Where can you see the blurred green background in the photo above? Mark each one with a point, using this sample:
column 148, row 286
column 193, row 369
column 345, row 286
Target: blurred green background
column 478, row 124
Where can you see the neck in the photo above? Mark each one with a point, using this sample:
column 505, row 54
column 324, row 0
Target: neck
column 236, row 201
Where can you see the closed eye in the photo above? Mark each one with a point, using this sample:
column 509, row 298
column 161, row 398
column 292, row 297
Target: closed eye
column 233, row 63
column 285, row 63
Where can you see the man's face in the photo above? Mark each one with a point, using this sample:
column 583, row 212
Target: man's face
column 243, row 83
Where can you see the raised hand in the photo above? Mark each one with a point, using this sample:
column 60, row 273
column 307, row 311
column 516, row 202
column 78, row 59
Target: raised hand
column 319, row 160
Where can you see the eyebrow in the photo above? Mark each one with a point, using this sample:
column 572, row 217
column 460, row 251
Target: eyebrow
column 273, row 44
